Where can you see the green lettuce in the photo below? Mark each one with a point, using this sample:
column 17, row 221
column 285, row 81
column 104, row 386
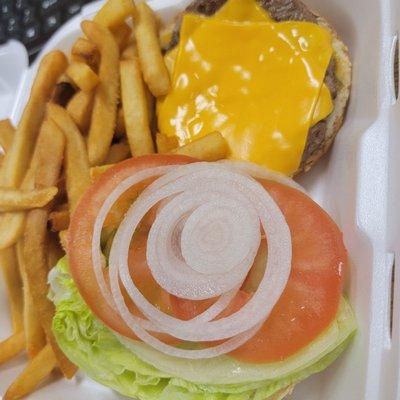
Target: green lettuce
column 148, row 375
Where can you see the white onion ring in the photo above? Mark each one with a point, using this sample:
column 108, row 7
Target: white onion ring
column 256, row 171
column 199, row 200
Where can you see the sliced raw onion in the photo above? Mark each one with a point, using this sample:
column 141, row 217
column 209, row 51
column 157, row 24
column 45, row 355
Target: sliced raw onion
column 201, row 245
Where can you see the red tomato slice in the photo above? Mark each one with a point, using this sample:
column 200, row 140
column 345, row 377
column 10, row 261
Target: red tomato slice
column 81, row 232
column 311, row 298
column 307, row 306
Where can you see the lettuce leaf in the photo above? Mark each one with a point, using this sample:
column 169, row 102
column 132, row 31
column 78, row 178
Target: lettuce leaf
column 149, row 375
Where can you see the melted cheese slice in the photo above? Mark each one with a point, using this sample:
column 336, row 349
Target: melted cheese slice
column 258, row 82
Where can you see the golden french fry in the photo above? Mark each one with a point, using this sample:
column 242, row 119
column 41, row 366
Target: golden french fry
column 7, row 132
column 114, row 13
column 35, row 372
column 210, row 147
column 118, row 152
column 51, row 144
column 12, row 346
column 129, row 52
column 83, row 76
column 122, row 34
column 80, row 109
column 9, row 265
column 59, row 220
column 85, row 51
column 134, row 104
column 166, row 144
column 35, row 338
column 104, row 113
column 95, row 172
column 155, row 72
column 18, row 200
column 16, row 220
column 18, row 157
column 76, row 158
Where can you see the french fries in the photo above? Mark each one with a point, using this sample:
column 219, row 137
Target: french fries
column 82, row 75
column 12, row 346
column 36, row 370
column 211, row 147
column 50, row 150
column 59, row 220
column 18, row 200
column 76, row 158
column 80, row 109
column 34, row 338
column 51, row 67
column 135, row 108
column 19, row 154
column 85, row 51
column 105, row 102
column 122, row 34
column 118, row 152
column 152, row 62
column 15, row 220
column 114, row 13
column 7, row 132
column 106, row 91
column 8, row 263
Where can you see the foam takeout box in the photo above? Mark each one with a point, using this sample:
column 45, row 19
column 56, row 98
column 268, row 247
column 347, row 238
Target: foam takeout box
column 357, row 183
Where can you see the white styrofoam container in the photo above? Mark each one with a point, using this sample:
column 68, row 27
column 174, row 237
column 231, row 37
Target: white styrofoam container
column 357, row 183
